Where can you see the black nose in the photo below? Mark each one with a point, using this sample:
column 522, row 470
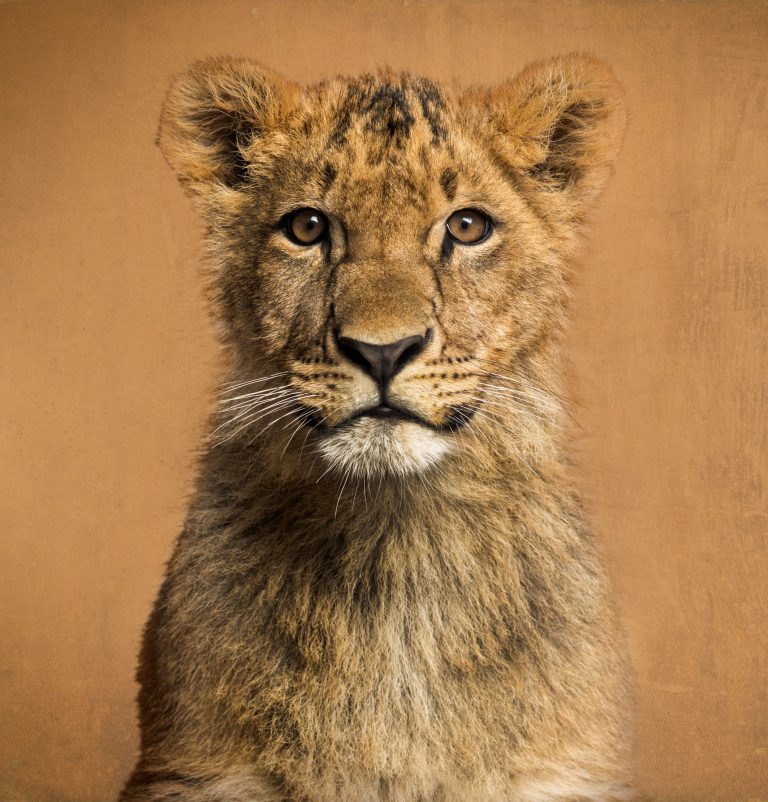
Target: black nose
column 382, row 361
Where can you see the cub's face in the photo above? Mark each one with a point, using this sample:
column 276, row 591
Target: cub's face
column 389, row 255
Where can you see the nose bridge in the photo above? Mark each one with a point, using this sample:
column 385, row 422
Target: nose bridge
column 382, row 301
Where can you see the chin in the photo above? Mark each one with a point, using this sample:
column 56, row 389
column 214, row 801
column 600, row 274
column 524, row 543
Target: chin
column 368, row 447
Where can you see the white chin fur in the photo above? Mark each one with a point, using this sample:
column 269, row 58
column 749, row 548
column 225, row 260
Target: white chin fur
column 370, row 447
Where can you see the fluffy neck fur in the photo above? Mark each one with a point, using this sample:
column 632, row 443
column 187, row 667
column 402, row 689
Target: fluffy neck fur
column 499, row 505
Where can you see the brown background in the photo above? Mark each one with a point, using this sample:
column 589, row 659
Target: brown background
column 108, row 361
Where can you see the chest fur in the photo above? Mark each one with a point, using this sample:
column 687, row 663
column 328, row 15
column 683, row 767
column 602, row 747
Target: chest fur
column 362, row 666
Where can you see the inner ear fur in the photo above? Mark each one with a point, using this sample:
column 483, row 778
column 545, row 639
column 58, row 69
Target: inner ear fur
column 560, row 124
column 212, row 113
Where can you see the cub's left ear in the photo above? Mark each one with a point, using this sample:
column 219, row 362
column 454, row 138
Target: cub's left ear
column 560, row 124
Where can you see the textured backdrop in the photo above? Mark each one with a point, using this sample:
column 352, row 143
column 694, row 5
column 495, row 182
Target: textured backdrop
column 108, row 361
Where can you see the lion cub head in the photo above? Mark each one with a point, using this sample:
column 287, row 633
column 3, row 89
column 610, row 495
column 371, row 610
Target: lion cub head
column 389, row 254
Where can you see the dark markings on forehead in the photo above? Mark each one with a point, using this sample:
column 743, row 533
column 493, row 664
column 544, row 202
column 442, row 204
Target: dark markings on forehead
column 328, row 177
column 390, row 108
column 449, row 182
column 433, row 108
column 338, row 135
column 389, row 114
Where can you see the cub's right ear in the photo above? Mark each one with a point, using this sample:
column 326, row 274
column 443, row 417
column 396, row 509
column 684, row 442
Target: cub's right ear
column 213, row 114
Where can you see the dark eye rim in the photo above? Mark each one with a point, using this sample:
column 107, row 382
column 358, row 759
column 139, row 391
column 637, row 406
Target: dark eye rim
column 486, row 233
column 285, row 226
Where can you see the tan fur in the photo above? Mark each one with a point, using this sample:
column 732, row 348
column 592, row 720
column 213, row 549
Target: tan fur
column 368, row 610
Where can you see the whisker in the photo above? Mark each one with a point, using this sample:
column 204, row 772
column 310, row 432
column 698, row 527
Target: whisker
column 529, row 380
column 236, row 385
column 515, row 396
column 271, row 424
column 504, row 367
column 503, row 400
column 323, row 473
column 258, row 394
column 261, row 404
column 553, row 402
column 259, row 408
column 301, row 451
column 256, row 416
column 301, row 418
column 354, row 496
column 528, row 394
column 525, row 391
column 245, row 408
column 341, row 490
column 514, row 405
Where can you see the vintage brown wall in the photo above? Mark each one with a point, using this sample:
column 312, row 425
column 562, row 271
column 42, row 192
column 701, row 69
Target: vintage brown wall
column 108, row 363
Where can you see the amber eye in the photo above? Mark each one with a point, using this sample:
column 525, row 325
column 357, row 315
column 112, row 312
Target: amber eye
column 468, row 226
column 306, row 226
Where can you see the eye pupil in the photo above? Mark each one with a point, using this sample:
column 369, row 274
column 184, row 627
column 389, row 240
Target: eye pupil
column 468, row 226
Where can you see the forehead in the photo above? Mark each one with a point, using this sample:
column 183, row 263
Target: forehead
column 386, row 113
column 375, row 138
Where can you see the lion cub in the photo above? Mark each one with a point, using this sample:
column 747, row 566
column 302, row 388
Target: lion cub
column 384, row 588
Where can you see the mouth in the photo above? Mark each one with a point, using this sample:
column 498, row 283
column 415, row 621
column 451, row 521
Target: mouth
column 388, row 413
column 458, row 417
